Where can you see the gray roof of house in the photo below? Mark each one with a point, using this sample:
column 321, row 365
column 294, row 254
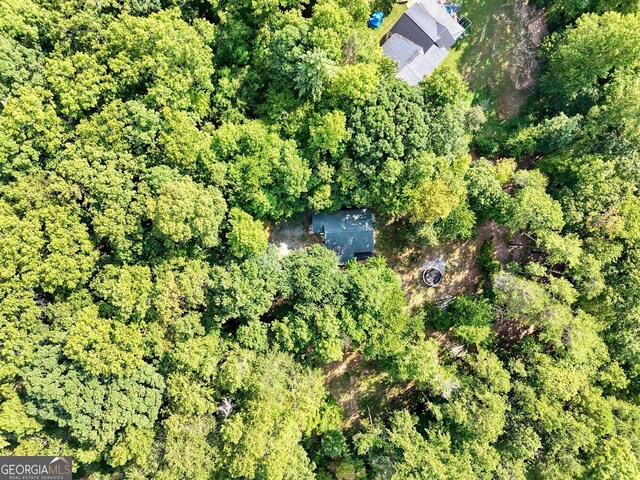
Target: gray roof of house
column 422, row 64
column 347, row 232
column 420, row 39
column 412, row 31
column 424, row 20
column 401, row 50
column 441, row 16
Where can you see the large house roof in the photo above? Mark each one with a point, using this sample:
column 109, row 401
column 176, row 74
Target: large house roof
column 420, row 39
column 401, row 49
column 349, row 233
column 422, row 64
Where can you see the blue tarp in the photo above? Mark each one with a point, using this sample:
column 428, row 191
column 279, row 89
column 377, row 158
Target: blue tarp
column 452, row 8
column 375, row 20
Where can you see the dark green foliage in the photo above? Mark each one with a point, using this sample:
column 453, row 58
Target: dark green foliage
column 469, row 317
column 566, row 11
column 486, row 195
column 93, row 408
column 588, row 55
column 334, row 444
column 486, row 258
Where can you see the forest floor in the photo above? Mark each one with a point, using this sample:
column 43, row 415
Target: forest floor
column 362, row 391
column 462, row 274
column 498, row 56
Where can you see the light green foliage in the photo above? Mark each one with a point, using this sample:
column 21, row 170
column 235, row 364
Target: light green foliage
column 401, row 452
column 29, row 129
column 246, row 290
column 184, row 211
column 246, row 236
column 312, row 275
column 133, row 444
column 529, row 302
column 180, row 295
column 430, row 201
column 313, row 73
column 615, row 120
column 589, row 52
column 448, row 100
column 313, row 280
column 253, row 335
column 420, row 364
column 104, row 347
column 279, row 405
column 562, row 249
column 166, row 54
column 265, row 173
column 330, row 24
column 49, row 247
column 188, row 454
column 21, row 24
column 354, row 83
column 328, row 133
column 364, row 303
column 378, row 308
column 505, row 168
column 79, row 82
column 14, row 420
column 194, row 369
column 185, row 147
column 127, row 290
column 569, row 10
column 401, row 156
column 532, row 207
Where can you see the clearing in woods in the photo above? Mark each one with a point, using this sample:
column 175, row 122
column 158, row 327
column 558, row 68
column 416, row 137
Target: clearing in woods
column 362, row 390
column 462, row 273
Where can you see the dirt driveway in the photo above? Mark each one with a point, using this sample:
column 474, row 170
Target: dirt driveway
column 293, row 234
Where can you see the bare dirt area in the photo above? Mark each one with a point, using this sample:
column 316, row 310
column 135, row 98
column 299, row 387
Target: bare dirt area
column 293, row 234
column 462, row 273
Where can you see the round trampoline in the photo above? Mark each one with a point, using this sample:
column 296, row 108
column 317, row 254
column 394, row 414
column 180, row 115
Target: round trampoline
column 432, row 277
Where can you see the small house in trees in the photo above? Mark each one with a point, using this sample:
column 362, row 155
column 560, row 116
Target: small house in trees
column 349, row 233
column 420, row 40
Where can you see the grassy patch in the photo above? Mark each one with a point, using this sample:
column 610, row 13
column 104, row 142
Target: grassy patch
column 391, row 19
column 362, row 389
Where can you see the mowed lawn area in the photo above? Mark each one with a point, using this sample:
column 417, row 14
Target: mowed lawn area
column 498, row 56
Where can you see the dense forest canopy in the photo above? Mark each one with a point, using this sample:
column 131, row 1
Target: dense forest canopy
column 149, row 329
